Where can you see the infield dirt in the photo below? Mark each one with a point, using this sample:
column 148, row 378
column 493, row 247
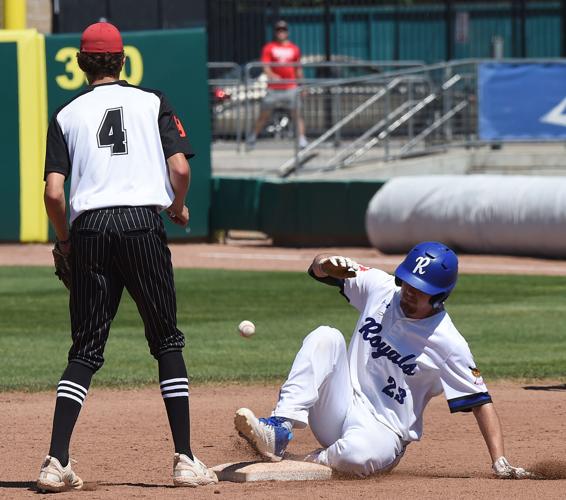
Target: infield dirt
column 123, row 446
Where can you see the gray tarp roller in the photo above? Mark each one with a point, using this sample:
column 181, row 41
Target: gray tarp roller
column 497, row 214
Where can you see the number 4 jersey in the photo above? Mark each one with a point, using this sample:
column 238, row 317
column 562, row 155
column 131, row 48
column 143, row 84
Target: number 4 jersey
column 398, row 364
column 114, row 139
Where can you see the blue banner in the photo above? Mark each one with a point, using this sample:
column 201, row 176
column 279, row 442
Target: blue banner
column 522, row 101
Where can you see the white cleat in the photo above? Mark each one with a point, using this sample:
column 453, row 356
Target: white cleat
column 192, row 473
column 56, row 478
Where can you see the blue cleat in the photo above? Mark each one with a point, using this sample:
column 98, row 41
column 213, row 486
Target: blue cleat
column 268, row 436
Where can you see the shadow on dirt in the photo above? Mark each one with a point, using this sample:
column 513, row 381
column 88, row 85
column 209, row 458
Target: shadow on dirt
column 557, row 388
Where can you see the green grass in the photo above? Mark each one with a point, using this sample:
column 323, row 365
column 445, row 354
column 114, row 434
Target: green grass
column 514, row 325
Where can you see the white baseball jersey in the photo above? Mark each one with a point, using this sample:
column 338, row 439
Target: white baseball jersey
column 398, row 364
column 114, row 139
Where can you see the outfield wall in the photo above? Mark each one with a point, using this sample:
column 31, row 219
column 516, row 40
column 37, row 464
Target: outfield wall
column 294, row 213
column 40, row 73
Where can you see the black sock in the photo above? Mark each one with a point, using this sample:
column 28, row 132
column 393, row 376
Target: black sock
column 71, row 393
column 174, row 386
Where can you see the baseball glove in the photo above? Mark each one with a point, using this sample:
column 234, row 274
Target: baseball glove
column 62, row 265
column 339, row 267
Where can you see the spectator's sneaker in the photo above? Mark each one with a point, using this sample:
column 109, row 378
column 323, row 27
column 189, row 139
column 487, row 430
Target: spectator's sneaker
column 303, row 143
column 267, row 435
column 192, row 473
column 55, row 478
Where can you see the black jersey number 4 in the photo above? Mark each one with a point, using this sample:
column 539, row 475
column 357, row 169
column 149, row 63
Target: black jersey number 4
column 111, row 132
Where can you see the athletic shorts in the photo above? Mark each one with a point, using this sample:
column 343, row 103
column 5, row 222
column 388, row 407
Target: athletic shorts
column 285, row 98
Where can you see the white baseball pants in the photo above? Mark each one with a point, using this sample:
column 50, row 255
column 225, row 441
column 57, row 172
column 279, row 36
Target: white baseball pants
column 319, row 393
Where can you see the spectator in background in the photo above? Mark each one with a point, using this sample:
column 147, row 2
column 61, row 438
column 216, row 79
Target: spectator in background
column 284, row 94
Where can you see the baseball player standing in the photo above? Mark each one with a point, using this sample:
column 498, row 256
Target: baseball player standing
column 126, row 152
column 365, row 404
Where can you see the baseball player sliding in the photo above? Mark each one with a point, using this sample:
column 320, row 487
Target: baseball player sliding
column 365, row 403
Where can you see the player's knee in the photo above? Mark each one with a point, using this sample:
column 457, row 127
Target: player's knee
column 357, row 457
column 94, row 362
column 326, row 338
column 159, row 345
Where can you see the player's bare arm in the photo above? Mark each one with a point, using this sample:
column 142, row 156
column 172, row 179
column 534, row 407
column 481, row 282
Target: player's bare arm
column 180, row 176
column 490, row 427
column 54, row 199
column 335, row 266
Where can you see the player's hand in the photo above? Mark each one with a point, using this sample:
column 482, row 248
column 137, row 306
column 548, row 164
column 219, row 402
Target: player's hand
column 504, row 470
column 180, row 217
column 339, row 267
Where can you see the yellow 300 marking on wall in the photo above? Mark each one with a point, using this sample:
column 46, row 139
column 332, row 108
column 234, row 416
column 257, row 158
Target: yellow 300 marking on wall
column 134, row 57
column 67, row 55
column 74, row 78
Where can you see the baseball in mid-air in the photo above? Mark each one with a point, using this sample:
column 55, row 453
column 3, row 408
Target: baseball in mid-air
column 246, row 328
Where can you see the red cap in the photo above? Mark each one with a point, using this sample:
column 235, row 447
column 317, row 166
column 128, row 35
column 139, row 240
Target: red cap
column 101, row 37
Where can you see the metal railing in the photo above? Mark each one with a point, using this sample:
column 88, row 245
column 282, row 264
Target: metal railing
column 223, row 78
column 299, row 158
column 375, row 117
column 328, row 90
column 426, row 109
column 387, row 126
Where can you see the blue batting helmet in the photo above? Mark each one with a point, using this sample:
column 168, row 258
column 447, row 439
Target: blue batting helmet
column 430, row 267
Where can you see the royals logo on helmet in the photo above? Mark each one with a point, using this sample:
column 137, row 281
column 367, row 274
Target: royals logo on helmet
column 422, row 262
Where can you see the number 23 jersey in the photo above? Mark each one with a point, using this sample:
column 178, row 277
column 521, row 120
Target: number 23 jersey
column 398, row 364
column 114, row 140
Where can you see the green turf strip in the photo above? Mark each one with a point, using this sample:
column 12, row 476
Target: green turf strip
column 515, row 326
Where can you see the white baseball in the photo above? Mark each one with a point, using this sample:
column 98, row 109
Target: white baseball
column 246, row 328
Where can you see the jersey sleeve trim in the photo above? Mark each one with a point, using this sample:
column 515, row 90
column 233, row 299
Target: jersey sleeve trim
column 329, row 280
column 466, row 403
column 173, row 135
column 56, row 152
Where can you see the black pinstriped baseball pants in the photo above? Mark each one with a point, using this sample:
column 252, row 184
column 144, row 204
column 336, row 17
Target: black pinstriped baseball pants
column 113, row 248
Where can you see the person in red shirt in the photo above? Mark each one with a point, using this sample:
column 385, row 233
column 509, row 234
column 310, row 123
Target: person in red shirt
column 286, row 93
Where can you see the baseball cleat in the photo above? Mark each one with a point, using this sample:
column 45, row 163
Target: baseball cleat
column 56, row 478
column 266, row 435
column 192, row 473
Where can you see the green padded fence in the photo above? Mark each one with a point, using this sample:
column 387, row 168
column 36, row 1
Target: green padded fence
column 294, row 213
column 9, row 142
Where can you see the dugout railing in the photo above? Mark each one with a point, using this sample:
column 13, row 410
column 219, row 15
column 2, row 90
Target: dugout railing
column 382, row 115
column 236, row 93
column 420, row 111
